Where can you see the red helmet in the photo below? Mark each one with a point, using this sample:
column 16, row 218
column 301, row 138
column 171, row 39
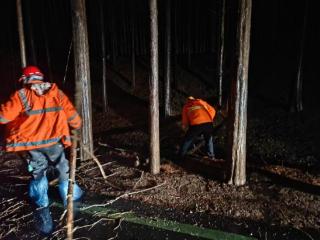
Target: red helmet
column 31, row 74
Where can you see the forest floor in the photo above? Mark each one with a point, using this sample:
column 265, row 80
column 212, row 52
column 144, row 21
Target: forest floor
column 281, row 199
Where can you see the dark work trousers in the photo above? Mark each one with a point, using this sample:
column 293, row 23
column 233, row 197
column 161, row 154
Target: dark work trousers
column 205, row 129
column 45, row 159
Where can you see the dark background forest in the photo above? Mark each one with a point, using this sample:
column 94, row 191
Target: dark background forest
column 277, row 30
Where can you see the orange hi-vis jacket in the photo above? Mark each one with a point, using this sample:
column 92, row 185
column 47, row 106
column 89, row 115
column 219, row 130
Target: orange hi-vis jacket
column 197, row 111
column 37, row 121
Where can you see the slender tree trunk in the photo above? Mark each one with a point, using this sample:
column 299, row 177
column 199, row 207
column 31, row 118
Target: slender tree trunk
column 113, row 36
column 82, row 74
column 72, row 175
column 167, row 80
column 221, row 49
column 103, row 58
column 239, row 93
column 21, row 34
column 30, row 35
column 133, row 47
column 46, row 40
column 297, row 103
column 188, row 43
column 154, row 91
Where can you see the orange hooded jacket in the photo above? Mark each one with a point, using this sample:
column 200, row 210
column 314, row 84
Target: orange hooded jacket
column 197, row 111
column 37, row 121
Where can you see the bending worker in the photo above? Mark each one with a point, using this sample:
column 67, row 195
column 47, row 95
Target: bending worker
column 197, row 118
column 37, row 118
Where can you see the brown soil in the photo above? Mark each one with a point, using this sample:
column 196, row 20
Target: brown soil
column 277, row 200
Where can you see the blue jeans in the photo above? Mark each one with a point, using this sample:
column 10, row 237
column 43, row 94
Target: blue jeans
column 195, row 131
column 40, row 161
column 43, row 159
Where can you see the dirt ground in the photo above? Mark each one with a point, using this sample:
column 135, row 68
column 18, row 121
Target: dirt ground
column 281, row 199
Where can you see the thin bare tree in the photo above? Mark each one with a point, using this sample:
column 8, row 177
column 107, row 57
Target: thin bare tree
column 297, row 103
column 154, row 91
column 221, row 49
column 22, row 42
column 103, row 58
column 238, row 98
column 167, row 80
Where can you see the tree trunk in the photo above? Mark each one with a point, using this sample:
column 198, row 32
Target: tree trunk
column 133, row 47
column 72, row 174
column 167, row 80
column 103, row 58
column 239, row 93
column 297, row 104
column 154, row 91
column 21, row 34
column 46, row 40
column 30, row 35
column 82, row 74
column 221, row 49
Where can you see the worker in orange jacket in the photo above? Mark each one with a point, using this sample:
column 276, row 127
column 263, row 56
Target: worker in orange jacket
column 197, row 118
column 37, row 118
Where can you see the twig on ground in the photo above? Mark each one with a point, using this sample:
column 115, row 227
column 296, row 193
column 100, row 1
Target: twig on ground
column 90, row 226
column 109, row 146
column 96, row 160
column 137, row 182
column 105, row 164
column 122, row 196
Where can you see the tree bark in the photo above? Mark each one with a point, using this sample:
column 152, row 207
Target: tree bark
column 167, row 80
column 239, row 93
column 103, row 58
column 154, row 91
column 72, row 174
column 82, row 74
column 21, row 34
column 221, row 50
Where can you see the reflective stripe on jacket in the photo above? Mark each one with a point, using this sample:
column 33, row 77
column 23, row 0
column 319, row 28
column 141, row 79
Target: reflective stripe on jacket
column 197, row 111
column 35, row 121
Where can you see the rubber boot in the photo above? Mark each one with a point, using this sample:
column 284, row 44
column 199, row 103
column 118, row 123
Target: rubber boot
column 38, row 191
column 43, row 221
column 63, row 190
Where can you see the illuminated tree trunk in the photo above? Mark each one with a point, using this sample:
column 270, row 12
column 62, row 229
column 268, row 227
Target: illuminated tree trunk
column 221, row 50
column 82, row 74
column 21, row 34
column 238, row 100
column 297, row 103
column 154, row 91
column 103, row 58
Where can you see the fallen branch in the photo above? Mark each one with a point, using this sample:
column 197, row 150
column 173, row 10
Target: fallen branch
column 102, row 165
column 96, row 160
column 123, row 196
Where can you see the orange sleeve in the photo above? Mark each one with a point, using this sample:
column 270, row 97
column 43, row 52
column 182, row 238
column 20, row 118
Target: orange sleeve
column 73, row 117
column 209, row 108
column 11, row 109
